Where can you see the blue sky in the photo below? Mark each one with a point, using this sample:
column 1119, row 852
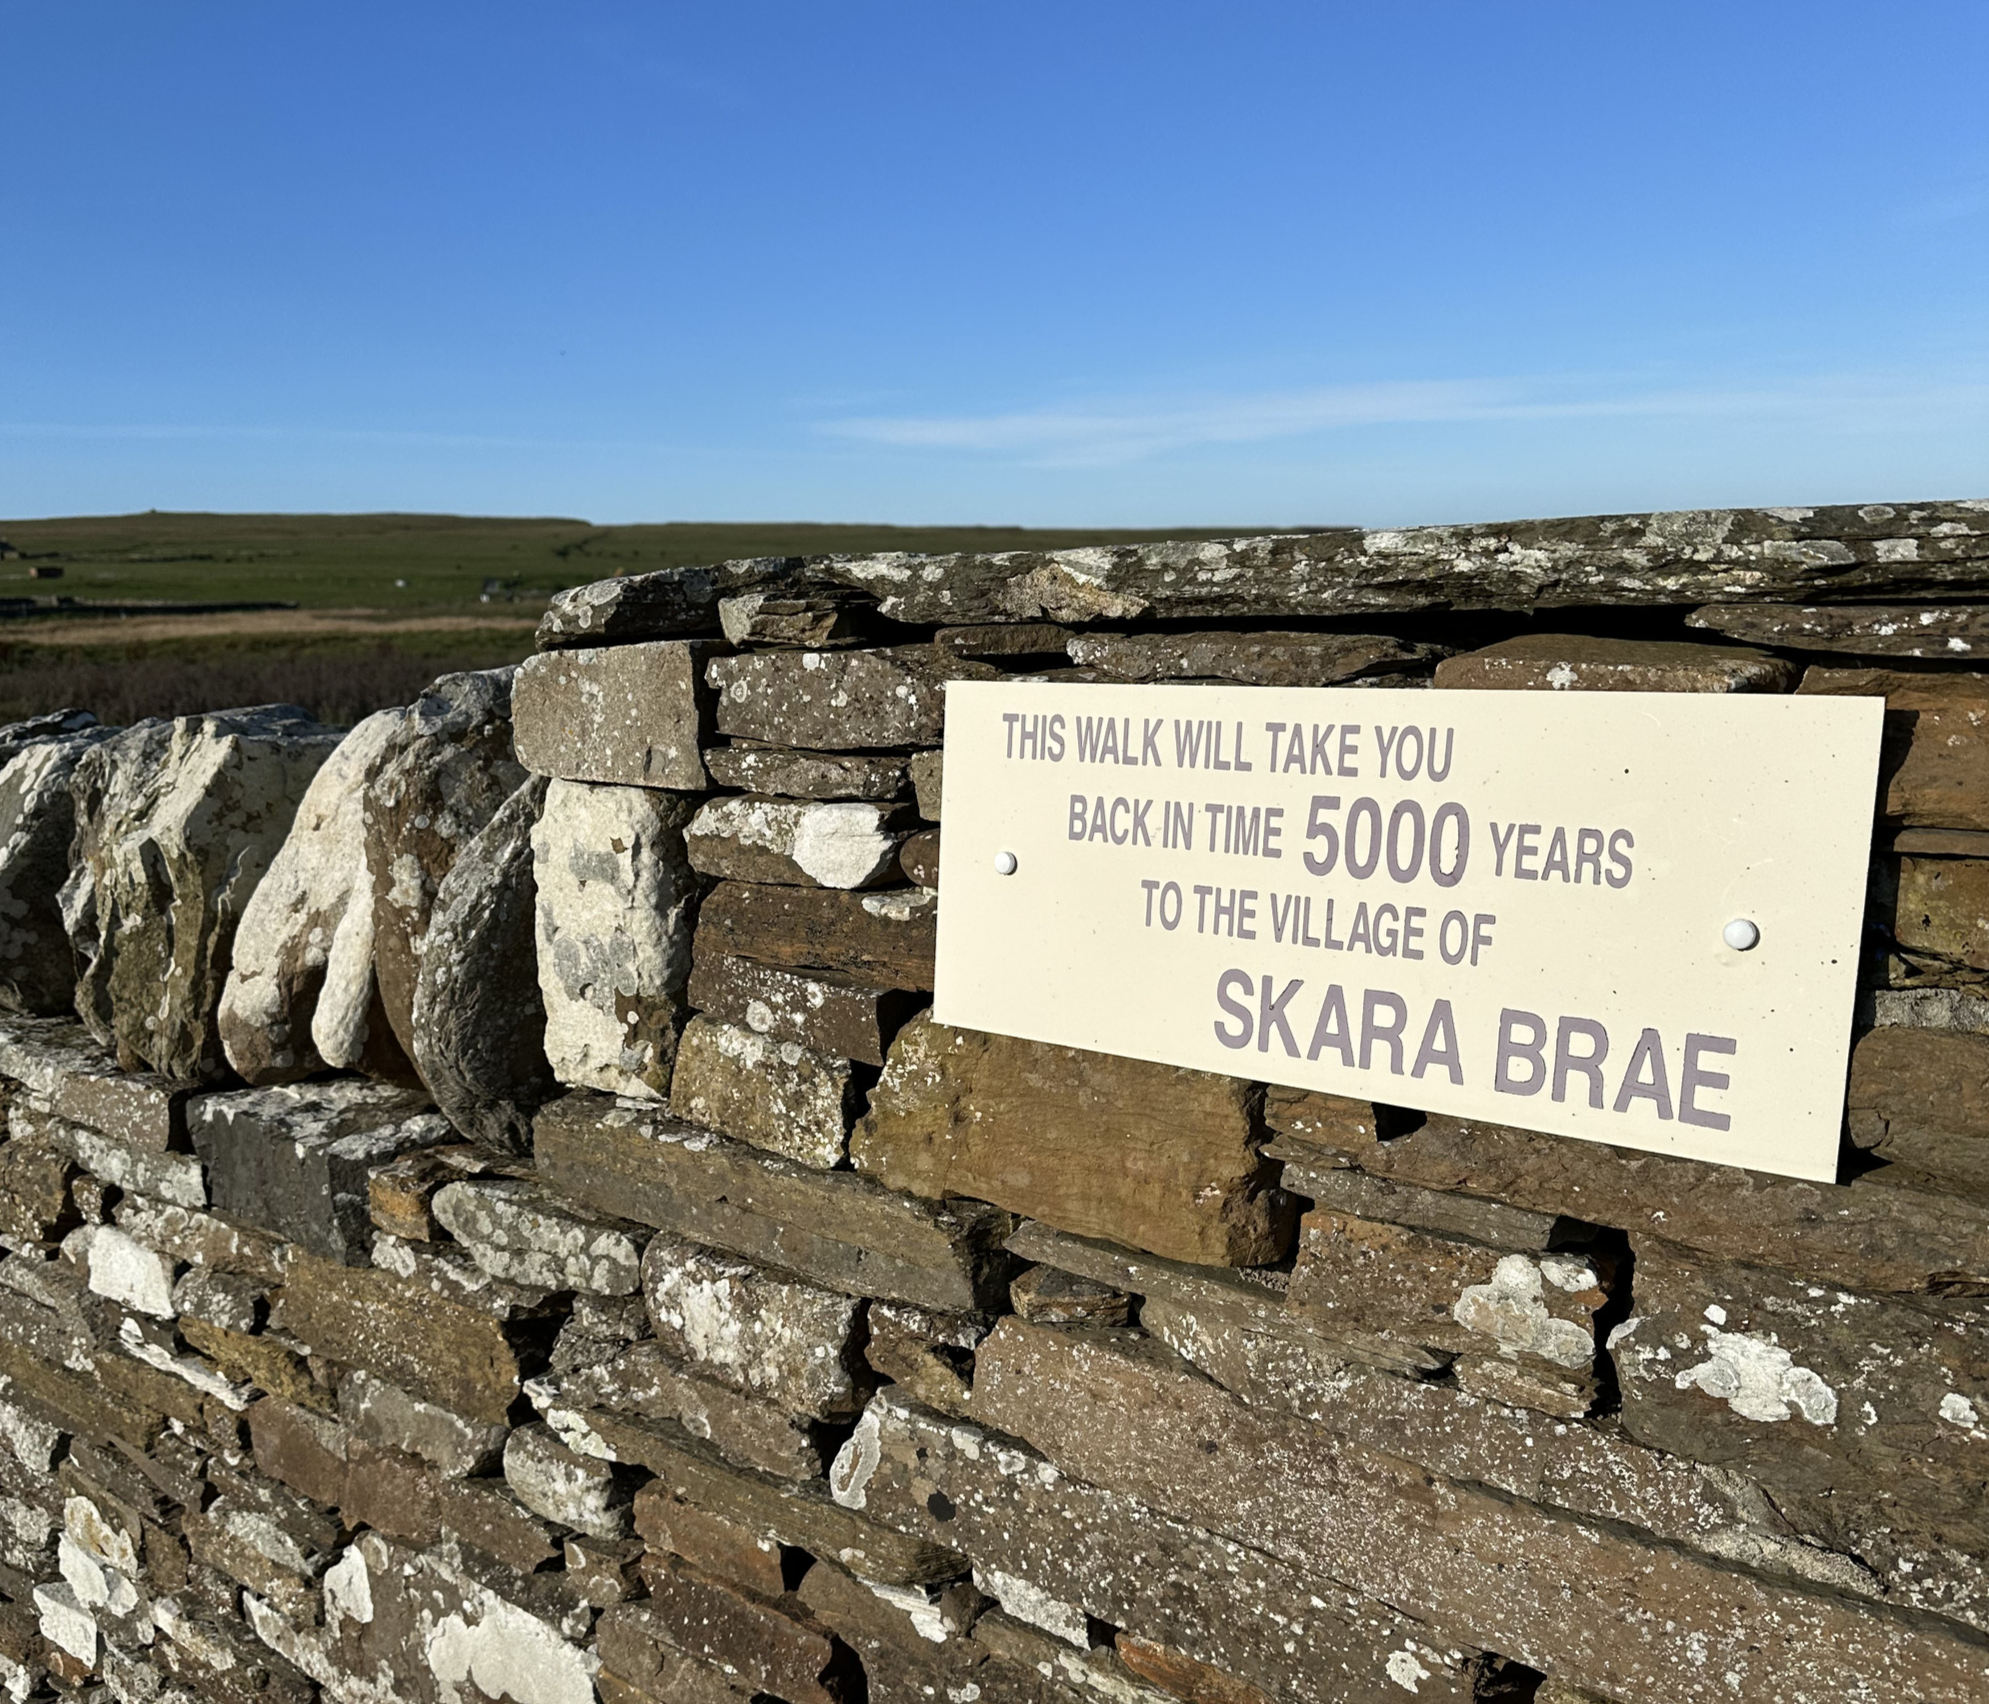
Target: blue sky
column 1105, row 264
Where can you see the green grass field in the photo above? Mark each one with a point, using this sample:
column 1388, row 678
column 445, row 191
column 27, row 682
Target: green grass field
column 408, row 633
column 348, row 561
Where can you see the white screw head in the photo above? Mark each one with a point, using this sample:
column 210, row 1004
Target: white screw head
column 1741, row 934
column 1004, row 863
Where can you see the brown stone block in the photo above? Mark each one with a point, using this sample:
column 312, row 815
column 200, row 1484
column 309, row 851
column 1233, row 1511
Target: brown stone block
column 1920, row 1099
column 776, row 1095
column 398, row 1193
column 840, row 1230
column 1570, row 662
column 1323, row 1120
column 1362, row 1278
column 1950, row 633
column 822, row 1010
column 1871, row 1237
column 301, row 1450
column 802, row 1515
column 1253, row 659
column 718, row 1547
column 1934, row 759
column 928, row 1356
column 885, row 939
column 80, row 1402
column 1293, row 1632
column 252, row 1359
column 645, row 1382
column 765, row 1644
column 838, row 700
column 1650, row 1624
column 635, row 715
column 1147, row 1155
column 918, row 860
column 792, row 774
column 35, row 1201
column 486, row 1515
column 457, row 1357
column 1936, row 913
column 1177, row 1672
column 1047, row 1295
column 642, row 1665
column 1855, row 1412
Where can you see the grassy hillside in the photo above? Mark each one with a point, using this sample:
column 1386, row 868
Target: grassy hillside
column 347, row 561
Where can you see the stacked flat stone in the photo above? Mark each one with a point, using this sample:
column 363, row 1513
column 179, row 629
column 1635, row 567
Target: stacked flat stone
column 488, row 1215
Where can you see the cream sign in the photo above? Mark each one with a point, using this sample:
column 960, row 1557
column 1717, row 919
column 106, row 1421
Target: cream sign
column 1629, row 917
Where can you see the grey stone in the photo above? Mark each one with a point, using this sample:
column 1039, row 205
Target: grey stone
column 220, row 1298
column 177, row 1179
column 805, row 620
column 176, row 824
column 577, row 1491
column 669, row 603
column 634, row 715
column 928, row 781
column 645, row 1382
column 519, row 1232
column 1254, row 659
column 16, row 737
column 849, row 843
column 59, row 1060
column 443, row 775
column 302, row 965
column 806, row 774
column 822, row 1010
column 617, row 901
column 37, row 823
column 838, row 700
column 1953, row 633
column 479, row 1015
column 777, row 1095
column 834, row 1228
column 793, row 1343
column 295, row 1158
column 1010, row 642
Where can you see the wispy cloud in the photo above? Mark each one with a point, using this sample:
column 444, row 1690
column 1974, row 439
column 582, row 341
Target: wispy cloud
column 1127, row 430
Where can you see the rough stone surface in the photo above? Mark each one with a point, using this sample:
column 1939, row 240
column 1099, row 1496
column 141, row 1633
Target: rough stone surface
column 1920, row 1099
column 37, row 822
column 446, row 770
column 1934, row 756
column 1294, row 1633
column 295, row 1158
column 1646, row 1626
column 1856, row 1412
column 572, row 1490
column 776, row 1095
column 849, row 843
column 715, row 1545
column 929, row 782
column 1145, row 1154
column 886, row 939
column 479, row 1015
column 1936, row 914
column 763, row 1645
column 303, row 956
column 834, row 1228
column 1684, row 557
column 795, row 1344
column 838, row 700
column 176, row 822
column 79, row 1078
column 1578, row 663
column 665, row 604
column 1252, row 659
column 518, row 1231
column 1867, row 1236
column 810, row 619
column 918, row 858
column 634, row 715
column 444, row 1352
column 1952, row 633
column 806, row 774
column 645, row 1382
column 617, row 903
column 384, row 1414
column 825, row 1011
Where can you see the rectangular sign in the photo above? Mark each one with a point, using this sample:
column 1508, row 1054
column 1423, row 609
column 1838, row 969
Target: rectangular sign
column 1629, row 917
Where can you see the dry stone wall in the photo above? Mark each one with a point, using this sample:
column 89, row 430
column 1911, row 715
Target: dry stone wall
column 488, row 1215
